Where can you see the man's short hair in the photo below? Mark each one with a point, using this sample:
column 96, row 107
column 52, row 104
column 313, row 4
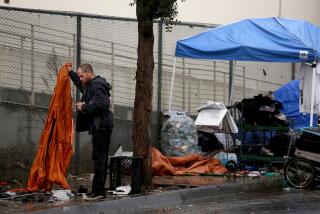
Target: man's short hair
column 86, row 67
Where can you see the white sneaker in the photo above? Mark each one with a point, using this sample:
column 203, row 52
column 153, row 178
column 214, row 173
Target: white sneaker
column 266, row 151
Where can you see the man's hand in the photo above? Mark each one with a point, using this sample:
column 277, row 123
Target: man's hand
column 69, row 66
column 79, row 105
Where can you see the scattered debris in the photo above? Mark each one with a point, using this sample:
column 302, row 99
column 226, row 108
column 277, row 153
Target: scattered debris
column 254, row 174
column 38, row 197
column 225, row 157
column 4, row 195
column 76, row 178
column 62, row 195
column 21, row 166
column 3, row 183
column 15, row 181
column 120, row 152
column 122, row 190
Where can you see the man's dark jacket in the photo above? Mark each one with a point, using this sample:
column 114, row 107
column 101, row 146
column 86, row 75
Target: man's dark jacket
column 95, row 113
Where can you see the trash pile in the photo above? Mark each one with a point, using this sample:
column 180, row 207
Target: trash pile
column 39, row 197
column 212, row 141
column 253, row 171
column 207, row 135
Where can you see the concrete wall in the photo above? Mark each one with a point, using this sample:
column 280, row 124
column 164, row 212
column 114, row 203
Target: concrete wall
column 227, row 11
column 205, row 11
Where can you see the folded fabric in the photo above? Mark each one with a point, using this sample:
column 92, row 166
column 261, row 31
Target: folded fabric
column 190, row 164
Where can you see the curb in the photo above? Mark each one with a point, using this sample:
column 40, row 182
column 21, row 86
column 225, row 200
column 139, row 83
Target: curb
column 170, row 199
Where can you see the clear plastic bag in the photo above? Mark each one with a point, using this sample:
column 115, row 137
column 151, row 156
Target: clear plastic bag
column 179, row 136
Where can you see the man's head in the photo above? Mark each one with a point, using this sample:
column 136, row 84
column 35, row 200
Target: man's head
column 85, row 73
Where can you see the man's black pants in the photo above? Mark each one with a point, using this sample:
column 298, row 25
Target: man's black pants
column 100, row 142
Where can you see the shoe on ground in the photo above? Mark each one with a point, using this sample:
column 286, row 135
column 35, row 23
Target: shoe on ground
column 94, row 196
column 266, row 151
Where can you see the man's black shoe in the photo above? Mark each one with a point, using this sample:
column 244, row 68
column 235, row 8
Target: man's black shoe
column 94, row 196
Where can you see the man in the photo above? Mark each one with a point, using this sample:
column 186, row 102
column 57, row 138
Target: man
column 93, row 115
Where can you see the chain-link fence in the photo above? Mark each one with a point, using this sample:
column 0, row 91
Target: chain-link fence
column 34, row 44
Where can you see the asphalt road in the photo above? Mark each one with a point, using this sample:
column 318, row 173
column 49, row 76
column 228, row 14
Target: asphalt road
column 294, row 201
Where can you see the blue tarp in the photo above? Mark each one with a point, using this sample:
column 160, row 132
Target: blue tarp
column 288, row 95
column 262, row 39
column 303, row 120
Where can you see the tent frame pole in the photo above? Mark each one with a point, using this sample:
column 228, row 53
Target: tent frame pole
column 231, row 81
column 314, row 65
column 172, row 83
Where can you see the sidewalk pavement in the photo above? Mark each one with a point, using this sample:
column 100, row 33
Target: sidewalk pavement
column 169, row 199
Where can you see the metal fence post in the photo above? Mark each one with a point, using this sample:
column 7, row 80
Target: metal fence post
column 70, row 51
column 293, row 74
column 159, row 102
column 74, row 47
column 224, row 88
column 32, row 66
column 31, row 100
column 183, row 84
column 189, row 92
column 198, row 91
column 29, row 115
column 78, row 62
column 21, row 61
column 112, row 76
column 231, row 73
column 74, row 59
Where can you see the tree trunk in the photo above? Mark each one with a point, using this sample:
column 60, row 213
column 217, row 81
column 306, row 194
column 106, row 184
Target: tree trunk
column 143, row 99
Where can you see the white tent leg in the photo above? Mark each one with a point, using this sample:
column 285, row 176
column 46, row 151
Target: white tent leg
column 172, row 82
column 312, row 94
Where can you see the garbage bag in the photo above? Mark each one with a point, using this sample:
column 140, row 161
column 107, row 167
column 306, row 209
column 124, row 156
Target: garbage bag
column 179, row 136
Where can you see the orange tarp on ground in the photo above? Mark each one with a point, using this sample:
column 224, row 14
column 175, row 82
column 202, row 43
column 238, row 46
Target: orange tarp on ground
column 55, row 146
column 190, row 164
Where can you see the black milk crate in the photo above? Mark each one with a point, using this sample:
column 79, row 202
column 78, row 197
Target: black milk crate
column 125, row 171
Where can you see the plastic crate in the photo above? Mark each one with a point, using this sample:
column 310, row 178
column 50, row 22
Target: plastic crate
column 125, row 171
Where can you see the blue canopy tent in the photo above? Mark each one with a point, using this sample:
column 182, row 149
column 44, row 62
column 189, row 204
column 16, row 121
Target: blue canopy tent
column 262, row 39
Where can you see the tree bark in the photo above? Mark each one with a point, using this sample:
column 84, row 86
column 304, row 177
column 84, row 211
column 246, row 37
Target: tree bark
column 143, row 98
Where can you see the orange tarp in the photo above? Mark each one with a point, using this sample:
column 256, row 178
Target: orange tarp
column 190, row 164
column 55, row 146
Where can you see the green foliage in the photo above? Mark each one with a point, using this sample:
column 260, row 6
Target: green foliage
column 153, row 10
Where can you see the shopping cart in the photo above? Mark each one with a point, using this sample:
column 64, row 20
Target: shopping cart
column 303, row 169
